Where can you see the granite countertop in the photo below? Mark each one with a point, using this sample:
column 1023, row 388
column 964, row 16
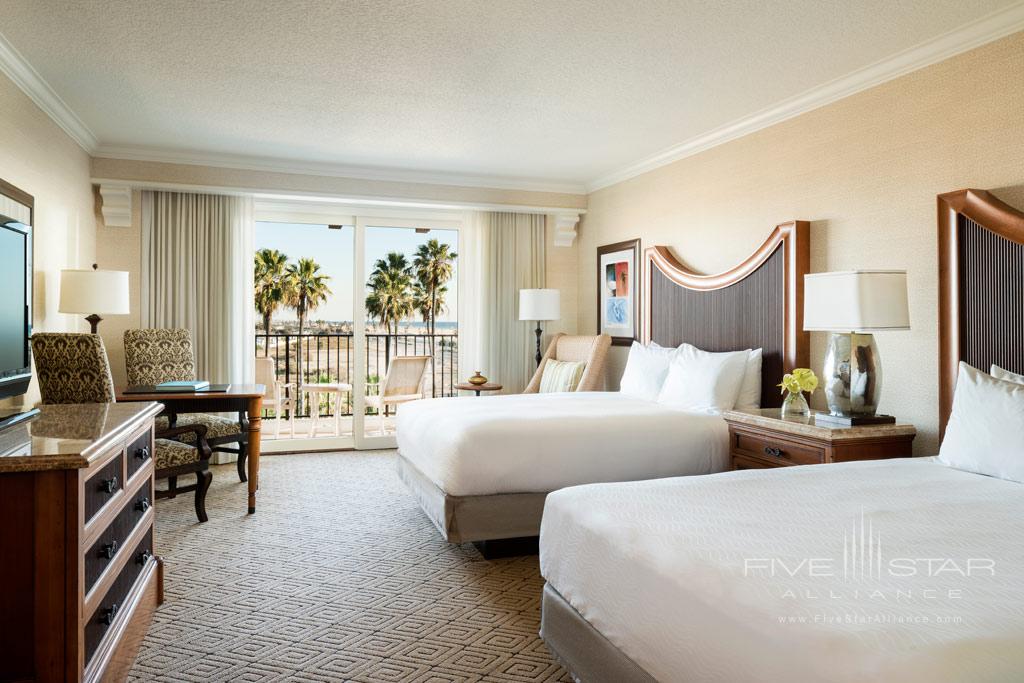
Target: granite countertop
column 69, row 436
column 771, row 418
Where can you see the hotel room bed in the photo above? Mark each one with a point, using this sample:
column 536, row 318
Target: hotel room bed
column 889, row 570
column 690, row 578
column 480, row 468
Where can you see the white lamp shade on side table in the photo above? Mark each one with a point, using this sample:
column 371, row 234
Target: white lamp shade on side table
column 539, row 304
column 856, row 301
column 102, row 292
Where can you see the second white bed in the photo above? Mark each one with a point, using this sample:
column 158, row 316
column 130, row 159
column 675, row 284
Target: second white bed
column 534, row 443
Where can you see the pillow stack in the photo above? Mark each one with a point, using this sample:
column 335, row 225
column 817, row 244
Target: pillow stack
column 687, row 378
column 985, row 433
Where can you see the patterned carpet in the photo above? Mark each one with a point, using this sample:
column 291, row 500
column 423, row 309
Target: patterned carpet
column 338, row 577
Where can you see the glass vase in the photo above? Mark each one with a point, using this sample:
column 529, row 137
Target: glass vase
column 795, row 405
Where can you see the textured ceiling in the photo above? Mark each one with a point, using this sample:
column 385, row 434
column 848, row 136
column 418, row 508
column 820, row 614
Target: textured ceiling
column 558, row 90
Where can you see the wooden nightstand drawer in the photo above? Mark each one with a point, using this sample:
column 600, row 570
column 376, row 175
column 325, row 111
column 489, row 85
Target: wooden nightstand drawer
column 771, row 448
column 764, row 438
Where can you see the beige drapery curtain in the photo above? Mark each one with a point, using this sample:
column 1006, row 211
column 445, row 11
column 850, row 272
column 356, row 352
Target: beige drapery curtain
column 512, row 249
column 197, row 261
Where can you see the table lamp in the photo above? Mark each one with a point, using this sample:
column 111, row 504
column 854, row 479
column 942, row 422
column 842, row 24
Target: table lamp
column 539, row 305
column 851, row 305
column 94, row 292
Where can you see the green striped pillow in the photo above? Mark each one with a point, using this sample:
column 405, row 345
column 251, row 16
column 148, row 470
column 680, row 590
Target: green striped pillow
column 561, row 375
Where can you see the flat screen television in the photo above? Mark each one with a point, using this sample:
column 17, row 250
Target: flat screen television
column 15, row 306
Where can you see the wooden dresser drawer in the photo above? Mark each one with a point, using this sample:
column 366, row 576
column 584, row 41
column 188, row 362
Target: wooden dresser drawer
column 110, row 543
column 113, row 602
column 139, row 452
column 777, row 450
column 101, row 487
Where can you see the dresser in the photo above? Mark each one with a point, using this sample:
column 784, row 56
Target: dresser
column 79, row 580
column 764, row 438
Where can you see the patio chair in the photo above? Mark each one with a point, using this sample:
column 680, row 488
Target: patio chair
column 153, row 356
column 402, row 383
column 279, row 396
column 74, row 368
column 591, row 349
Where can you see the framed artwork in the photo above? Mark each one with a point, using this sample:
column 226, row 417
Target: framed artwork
column 618, row 291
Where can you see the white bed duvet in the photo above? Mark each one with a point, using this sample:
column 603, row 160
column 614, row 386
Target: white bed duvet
column 542, row 442
column 899, row 570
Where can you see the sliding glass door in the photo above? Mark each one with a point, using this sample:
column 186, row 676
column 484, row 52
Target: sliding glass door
column 356, row 316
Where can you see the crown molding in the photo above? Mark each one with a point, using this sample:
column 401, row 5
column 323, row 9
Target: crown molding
column 39, row 91
column 967, row 37
column 277, row 165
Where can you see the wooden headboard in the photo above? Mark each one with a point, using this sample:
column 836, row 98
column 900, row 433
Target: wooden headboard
column 757, row 304
column 981, row 288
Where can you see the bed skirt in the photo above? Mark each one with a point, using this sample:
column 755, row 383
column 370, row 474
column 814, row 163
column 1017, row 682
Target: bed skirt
column 579, row 647
column 462, row 519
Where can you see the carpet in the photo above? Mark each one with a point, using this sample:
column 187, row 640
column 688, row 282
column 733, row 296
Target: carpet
column 337, row 577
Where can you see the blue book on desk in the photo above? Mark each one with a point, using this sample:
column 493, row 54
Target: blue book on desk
column 198, row 385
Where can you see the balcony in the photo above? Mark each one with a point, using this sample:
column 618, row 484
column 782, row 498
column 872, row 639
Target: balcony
column 328, row 357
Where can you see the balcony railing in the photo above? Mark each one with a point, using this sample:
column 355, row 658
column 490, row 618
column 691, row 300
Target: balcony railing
column 328, row 358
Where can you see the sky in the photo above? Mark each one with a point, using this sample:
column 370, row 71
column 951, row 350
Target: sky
column 333, row 250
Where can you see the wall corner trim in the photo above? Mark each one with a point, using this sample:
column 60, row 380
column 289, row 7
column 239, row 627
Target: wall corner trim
column 15, row 67
column 984, row 30
column 117, row 205
column 565, row 229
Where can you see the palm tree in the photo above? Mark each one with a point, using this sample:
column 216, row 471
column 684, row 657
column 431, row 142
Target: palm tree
column 433, row 264
column 390, row 297
column 271, row 283
column 307, row 288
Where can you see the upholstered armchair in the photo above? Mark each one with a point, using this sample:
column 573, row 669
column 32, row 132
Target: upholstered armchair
column 154, row 356
column 74, row 368
column 592, row 350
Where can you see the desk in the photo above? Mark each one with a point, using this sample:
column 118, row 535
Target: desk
column 238, row 397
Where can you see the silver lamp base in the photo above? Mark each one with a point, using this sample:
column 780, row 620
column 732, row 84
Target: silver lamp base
column 853, row 375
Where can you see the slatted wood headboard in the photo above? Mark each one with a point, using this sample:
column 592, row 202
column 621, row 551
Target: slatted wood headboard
column 757, row 304
column 981, row 288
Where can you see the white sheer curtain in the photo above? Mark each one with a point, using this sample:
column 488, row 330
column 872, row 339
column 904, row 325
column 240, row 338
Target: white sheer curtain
column 501, row 253
column 197, row 270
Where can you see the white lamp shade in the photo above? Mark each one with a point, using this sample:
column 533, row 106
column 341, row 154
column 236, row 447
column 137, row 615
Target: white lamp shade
column 856, row 301
column 539, row 304
column 103, row 292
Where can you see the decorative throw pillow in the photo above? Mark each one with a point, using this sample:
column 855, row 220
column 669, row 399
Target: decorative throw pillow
column 561, row 375
column 985, row 433
column 702, row 381
column 646, row 369
column 749, row 397
column 1000, row 373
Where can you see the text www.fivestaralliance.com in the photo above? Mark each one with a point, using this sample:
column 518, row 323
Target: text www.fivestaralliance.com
column 854, row 619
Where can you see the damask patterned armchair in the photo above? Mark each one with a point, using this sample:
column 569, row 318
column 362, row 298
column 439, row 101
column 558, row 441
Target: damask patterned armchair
column 154, row 356
column 73, row 368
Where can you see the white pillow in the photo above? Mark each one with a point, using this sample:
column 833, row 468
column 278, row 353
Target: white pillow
column 646, row 369
column 985, row 433
column 749, row 397
column 702, row 381
column 1000, row 373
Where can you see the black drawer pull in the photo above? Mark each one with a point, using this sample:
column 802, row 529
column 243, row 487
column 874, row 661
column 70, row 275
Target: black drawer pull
column 143, row 557
column 142, row 453
column 109, row 614
column 142, row 504
column 108, row 485
column 773, row 451
column 108, row 550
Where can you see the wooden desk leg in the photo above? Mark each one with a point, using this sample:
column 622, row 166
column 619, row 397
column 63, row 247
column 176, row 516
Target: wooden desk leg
column 255, row 424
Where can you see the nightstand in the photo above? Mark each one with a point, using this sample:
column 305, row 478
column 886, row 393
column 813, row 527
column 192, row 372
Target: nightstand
column 763, row 438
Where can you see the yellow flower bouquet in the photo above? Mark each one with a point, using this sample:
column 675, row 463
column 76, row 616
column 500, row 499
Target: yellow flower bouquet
column 796, row 383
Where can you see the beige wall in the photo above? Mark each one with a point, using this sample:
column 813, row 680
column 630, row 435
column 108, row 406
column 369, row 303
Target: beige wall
column 39, row 158
column 865, row 171
column 561, row 273
column 121, row 249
